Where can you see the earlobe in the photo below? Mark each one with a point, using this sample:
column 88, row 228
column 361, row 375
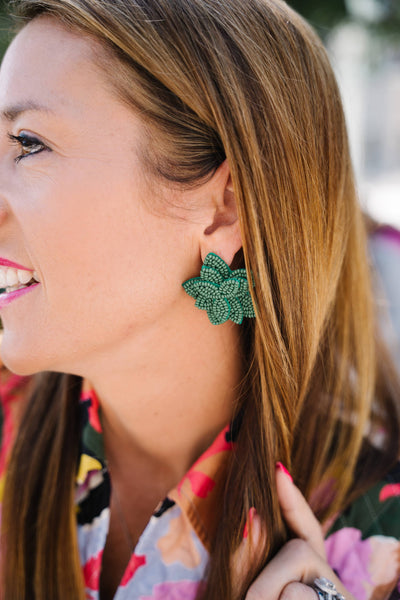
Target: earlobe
column 222, row 235
column 223, row 293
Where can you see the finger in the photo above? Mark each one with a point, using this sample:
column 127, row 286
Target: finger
column 298, row 591
column 297, row 513
column 295, row 562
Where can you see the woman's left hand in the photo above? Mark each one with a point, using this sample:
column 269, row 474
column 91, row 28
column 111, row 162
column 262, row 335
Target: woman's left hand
column 291, row 573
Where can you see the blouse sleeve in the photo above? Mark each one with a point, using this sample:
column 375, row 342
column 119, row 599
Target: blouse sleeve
column 363, row 546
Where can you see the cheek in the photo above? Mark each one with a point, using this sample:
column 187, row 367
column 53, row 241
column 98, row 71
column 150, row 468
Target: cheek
column 108, row 266
column 118, row 266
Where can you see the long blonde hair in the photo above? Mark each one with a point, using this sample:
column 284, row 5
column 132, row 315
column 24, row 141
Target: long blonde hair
column 250, row 82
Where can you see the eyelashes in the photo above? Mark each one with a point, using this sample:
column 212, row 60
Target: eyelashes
column 27, row 144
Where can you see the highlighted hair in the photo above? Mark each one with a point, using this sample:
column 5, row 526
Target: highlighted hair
column 250, row 82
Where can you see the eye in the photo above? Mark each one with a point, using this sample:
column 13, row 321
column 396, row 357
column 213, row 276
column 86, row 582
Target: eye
column 27, row 144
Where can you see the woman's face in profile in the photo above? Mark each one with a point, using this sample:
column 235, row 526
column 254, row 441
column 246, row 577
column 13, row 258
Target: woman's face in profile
column 74, row 200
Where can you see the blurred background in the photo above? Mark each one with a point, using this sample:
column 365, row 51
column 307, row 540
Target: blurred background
column 363, row 40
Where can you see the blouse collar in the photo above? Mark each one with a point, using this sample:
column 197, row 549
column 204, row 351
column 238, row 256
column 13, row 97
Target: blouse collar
column 199, row 493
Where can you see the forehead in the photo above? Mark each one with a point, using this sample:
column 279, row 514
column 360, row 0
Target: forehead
column 47, row 64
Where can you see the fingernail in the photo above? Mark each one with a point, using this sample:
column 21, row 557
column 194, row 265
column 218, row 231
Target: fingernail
column 250, row 518
column 280, row 466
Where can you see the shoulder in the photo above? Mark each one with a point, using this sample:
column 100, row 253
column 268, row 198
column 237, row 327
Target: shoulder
column 363, row 546
column 384, row 247
column 385, row 237
column 377, row 511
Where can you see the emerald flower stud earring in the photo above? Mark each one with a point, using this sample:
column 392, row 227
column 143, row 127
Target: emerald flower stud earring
column 223, row 293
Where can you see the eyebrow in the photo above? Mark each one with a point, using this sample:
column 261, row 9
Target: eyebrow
column 10, row 113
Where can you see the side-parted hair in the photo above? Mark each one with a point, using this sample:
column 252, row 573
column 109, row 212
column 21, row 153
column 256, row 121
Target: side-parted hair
column 248, row 81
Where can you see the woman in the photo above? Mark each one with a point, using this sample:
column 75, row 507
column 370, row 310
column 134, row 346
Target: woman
column 140, row 141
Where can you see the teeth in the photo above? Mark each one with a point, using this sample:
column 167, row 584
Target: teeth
column 24, row 276
column 10, row 277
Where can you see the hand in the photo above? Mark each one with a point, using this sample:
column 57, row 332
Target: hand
column 289, row 575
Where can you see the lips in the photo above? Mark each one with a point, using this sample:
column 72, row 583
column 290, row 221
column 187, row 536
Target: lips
column 10, row 294
column 4, row 262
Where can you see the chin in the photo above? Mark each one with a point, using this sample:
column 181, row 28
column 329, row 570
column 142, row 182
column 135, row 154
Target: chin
column 17, row 365
column 17, row 358
column 24, row 356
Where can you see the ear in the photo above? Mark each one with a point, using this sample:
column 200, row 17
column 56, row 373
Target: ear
column 222, row 234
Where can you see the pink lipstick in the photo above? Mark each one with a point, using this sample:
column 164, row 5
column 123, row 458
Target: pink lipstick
column 7, row 297
column 15, row 281
column 4, row 262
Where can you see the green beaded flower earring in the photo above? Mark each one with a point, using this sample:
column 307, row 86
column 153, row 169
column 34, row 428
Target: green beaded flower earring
column 223, row 293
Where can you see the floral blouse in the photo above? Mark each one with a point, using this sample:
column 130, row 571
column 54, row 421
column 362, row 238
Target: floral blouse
column 171, row 556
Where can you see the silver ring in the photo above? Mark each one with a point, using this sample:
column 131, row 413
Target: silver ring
column 326, row 590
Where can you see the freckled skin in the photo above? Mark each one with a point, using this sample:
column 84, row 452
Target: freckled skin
column 110, row 306
column 102, row 256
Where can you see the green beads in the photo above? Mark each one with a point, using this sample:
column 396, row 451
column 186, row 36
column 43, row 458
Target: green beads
column 223, row 293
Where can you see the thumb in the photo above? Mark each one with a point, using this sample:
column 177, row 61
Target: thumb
column 297, row 513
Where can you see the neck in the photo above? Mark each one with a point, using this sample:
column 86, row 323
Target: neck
column 165, row 395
